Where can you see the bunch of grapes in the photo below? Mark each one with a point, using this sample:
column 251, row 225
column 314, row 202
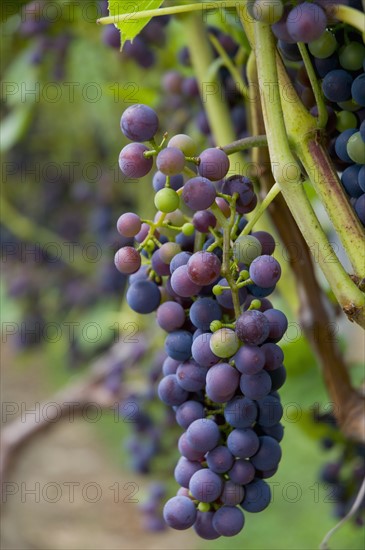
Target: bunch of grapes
column 345, row 475
column 223, row 365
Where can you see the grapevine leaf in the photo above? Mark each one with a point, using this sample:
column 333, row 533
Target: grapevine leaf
column 130, row 28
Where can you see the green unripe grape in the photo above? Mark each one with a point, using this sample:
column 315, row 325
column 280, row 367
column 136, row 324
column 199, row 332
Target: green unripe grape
column 255, row 304
column 267, row 11
column 217, row 290
column 168, row 251
column 352, row 56
column 167, row 200
column 215, row 325
column 203, row 506
column 324, row 46
column 184, row 143
column 175, row 218
column 244, row 275
column 345, row 120
column 349, row 105
column 356, row 148
column 246, row 249
column 188, row 229
column 224, row 343
column 149, row 246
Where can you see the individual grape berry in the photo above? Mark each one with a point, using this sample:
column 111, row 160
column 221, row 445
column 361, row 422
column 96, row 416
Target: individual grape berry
column 276, row 431
column 358, row 89
column 345, row 120
column 228, row 521
column 111, row 37
column 129, row 224
column 222, row 381
column 246, row 248
column 179, row 513
column 274, row 356
column 268, row 12
column 278, row 377
column 256, row 386
column 167, row 200
column 224, row 343
column 356, row 148
column 206, row 486
column 257, row 496
column 266, row 240
column 127, row 260
column 185, row 143
column 203, row 312
column 188, row 412
column 185, row 449
column 143, row 296
column 270, row 411
column 361, row 178
column 180, row 259
column 240, row 412
column 249, row 359
column 159, row 181
column 269, row 454
column 360, row 208
column 253, row 328
column 198, row 193
column 220, row 460
column 350, row 180
column 184, row 471
column 139, row 123
column 169, row 366
column 324, row 46
column 203, row 435
column 158, row 266
column 243, row 442
column 336, row 85
column 278, row 324
column 341, row 144
column 191, row 376
column 203, row 268
column 182, row 284
column 170, row 392
column 170, row 316
column 170, row 161
column 178, row 345
column 188, row 229
column 203, row 220
column 133, row 163
column 242, row 472
column 214, row 164
column 351, row 56
column 201, row 351
column 306, row 22
column 168, row 251
column 265, row 271
column 241, row 185
column 225, row 297
column 172, row 82
column 204, row 526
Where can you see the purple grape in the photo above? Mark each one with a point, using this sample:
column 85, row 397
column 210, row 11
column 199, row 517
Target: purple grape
column 170, row 366
column 172, row 82
column 228, row 521
column 214, row 164
column 306, row 22
column 182, row 284
column 203, row 268
column 243, row 443
column 249, row 359
column 179, row 513
column 191, row 376
column 220, row 460
column 127, row 260
column 203, row 435
column 178, row 345
column 198, row 193
column 222, row 382
column 278, row 377
column 204, row 526
column 257, row 496
column 203, row 219
column 241, row 185
column 242, row 472
column 132, row 162
column 180, row 259
column 201, row 351
column 170, row 161
column 139, row 123
column 159, row 181
column 265, row 303
column 203, row 312
column 256, row 386
column 270, row 411
column 240, row 412
column 269, row 454
column 278, row 324
column 253, row 328
column 188, row 412
column 170, row 316
column 185, row 449
column 360, row 208
column 274, row 356
column 129, row 224
column 276, row 431
column 111, row 37
column 205, row 485
column 143, row 296
column 266, row 240
column 336, row 85
column 232, row 493
column 158, row 266
column 184, row 471
column 265, row 271
column 170, row 392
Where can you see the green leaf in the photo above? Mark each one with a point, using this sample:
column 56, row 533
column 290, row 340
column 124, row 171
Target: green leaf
column 130, row 28
column 14, row 126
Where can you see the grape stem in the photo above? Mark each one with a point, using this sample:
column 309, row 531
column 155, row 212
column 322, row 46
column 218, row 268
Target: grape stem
column 351, row 16
column 271, row 195
column 317, row 91
column 244, row 144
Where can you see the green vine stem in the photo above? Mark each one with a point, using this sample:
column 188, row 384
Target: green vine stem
column 287, row 174
column 26, row 230
column 351, row 16
column 245, row 143
column 261, row 208
column 317, row 91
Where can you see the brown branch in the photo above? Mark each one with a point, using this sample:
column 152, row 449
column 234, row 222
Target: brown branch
column 71, row 400
column 316, row 315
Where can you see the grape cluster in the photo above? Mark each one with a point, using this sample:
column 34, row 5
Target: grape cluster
column 344, row 475
column 338, row 56
column 223, row 365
